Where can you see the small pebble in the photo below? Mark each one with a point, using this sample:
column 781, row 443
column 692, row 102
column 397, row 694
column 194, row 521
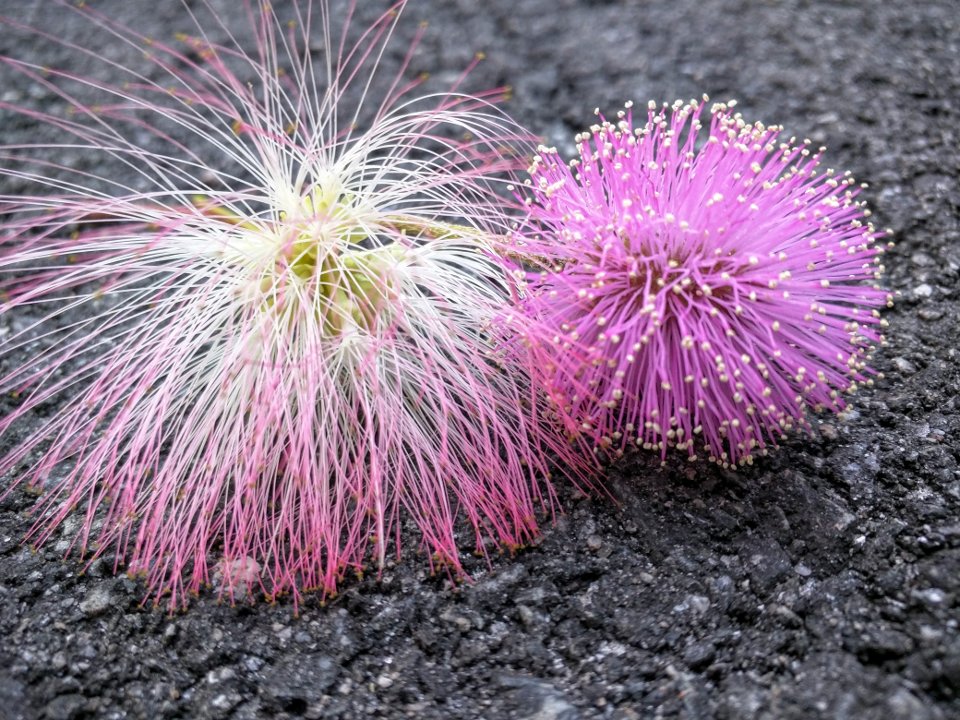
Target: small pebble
column 96, row 601
column 904, row 366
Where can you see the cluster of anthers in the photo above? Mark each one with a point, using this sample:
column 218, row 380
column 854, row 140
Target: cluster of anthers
column 705, row 287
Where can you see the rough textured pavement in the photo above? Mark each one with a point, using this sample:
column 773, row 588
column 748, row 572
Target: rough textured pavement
column 821, row 583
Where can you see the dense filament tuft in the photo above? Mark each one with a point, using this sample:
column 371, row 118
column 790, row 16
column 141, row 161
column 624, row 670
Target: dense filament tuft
column 706, row 285
column 294, row 345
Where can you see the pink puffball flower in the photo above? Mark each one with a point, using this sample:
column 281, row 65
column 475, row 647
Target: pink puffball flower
column 293, row 340
column 706, row 285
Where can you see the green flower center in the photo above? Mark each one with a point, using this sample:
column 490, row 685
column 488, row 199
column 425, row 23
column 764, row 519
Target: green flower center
column 328, row 254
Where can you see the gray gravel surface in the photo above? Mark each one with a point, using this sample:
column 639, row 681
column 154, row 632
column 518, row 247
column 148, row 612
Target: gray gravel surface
column 820, row 583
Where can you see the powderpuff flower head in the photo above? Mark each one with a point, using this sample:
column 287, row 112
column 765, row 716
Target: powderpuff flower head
column 706, row 285
column 288, row 343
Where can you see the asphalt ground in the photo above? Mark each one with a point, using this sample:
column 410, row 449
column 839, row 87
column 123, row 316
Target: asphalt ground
column 822, row 582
